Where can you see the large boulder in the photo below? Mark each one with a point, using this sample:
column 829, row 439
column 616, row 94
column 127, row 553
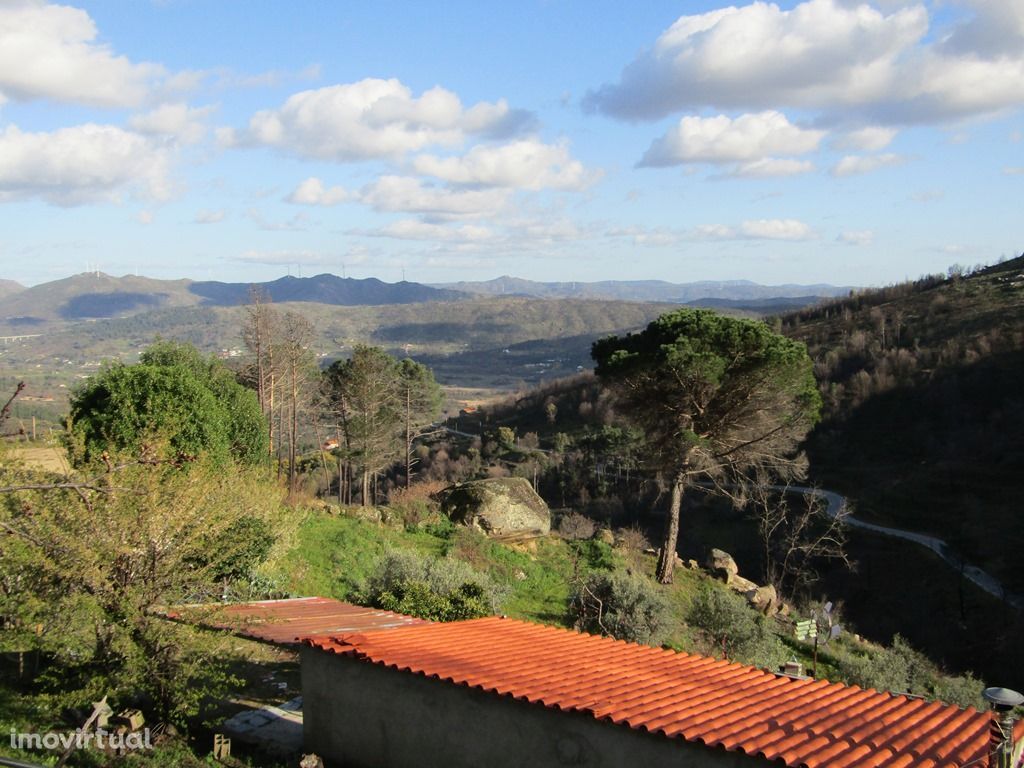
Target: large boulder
column 721, row 564
column 764, row 599
column 504, row 508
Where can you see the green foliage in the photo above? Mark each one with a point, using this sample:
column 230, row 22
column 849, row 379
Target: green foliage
column 239, row 549
column 622, row 605
column 439, row 589
column 596, row 555
column 84, row 578
column 173, row 394
column 689, row 369
column 732, row 628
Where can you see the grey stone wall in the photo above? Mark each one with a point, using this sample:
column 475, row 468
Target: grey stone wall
column 362, row 715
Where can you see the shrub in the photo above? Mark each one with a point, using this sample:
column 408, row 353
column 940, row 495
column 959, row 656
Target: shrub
column 415, row 505
column 440, row 589
column 621, row 605
column 575, row 527
column 731, row 627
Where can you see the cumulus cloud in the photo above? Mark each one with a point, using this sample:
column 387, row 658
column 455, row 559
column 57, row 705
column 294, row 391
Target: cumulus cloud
column 857, row 237
column 852, row 165
column 313, row 192
column 178, row 121
column 51, row 52
column 772, row 167
column 523, row 164
column 82, row 164
column 870, row 139
column 722, row 139
column 412, row 229
column 853, row 61
column 775, row 229
column 373, row 118
column 754, row 229
column 410, row 195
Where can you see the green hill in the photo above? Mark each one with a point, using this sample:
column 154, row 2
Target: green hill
column 924, row 417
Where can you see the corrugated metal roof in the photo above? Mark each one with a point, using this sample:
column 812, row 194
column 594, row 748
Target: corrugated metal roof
column 799, row 722
column 285, row 622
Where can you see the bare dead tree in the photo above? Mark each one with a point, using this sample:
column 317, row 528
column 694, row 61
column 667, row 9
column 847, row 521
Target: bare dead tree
column 797, row 534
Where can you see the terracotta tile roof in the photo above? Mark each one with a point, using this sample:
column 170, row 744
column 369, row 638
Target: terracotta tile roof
column 285, row 622
column 798, row 722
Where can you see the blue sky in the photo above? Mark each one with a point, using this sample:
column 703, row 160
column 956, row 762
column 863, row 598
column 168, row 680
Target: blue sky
column 822, row 141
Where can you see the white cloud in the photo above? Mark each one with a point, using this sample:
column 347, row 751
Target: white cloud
column 771, row 167
column 373, row 118
column 145, row 217
column 81, row 164
column 1012, row 170
column 210, row 217
column 857, row 237
column 410, row 195
column 853, row 61
column 178, row 121
column 723, row 139
column 411, row 229
column 523, row 164
column 776, row 229
column 754, row 229
column 852, row 165
column 870, row 139
column 313, row 192
column 51, row 52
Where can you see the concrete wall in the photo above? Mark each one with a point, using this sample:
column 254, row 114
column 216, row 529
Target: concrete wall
column 362, row 715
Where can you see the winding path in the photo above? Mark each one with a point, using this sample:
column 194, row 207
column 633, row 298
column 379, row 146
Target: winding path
column 836, row 503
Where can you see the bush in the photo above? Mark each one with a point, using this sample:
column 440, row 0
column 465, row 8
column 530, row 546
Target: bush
column 621, row 605
column 440, row 589
column 576, row 527
column 596, row 555
column 415, row 506
column 731, row 627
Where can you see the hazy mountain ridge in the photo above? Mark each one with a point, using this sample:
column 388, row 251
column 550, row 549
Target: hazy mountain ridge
column 645, row 290
column 325, row 289
column 94, row 295
column 9, row 288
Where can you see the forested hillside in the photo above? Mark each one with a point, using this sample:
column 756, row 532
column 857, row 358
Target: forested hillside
column 924, row 414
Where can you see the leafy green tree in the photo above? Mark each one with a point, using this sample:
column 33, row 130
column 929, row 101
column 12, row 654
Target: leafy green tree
column 364, row 393
column 421, row 399
column 715, row 398
column 90, row 562
column 174, row 394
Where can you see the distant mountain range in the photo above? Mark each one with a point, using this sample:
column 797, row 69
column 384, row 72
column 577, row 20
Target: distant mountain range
column 647, row 290
column 94, row 295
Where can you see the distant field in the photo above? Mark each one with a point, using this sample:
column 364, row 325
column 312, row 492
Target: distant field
column 47, row 457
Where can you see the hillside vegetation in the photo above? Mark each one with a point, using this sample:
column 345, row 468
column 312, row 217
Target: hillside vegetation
column 924, row 410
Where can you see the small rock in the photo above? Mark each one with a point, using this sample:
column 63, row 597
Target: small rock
column 692, row 565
